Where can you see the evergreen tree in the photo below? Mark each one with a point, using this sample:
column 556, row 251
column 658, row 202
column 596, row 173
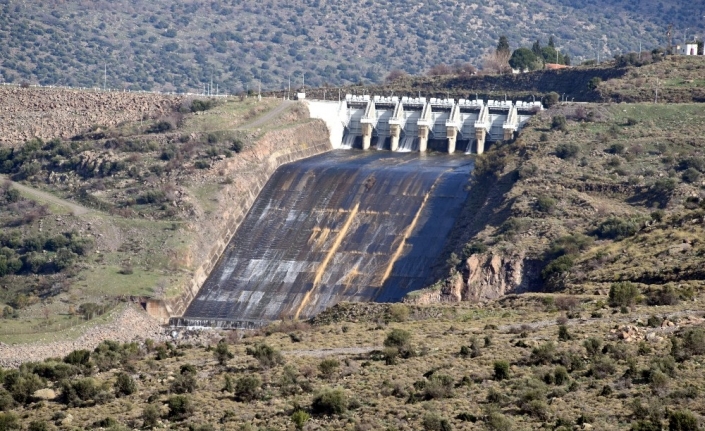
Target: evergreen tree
column 551, row 42
column 536, row 48
column 503, row 45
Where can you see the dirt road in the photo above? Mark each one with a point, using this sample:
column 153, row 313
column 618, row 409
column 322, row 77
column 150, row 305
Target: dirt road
column 48, row 197
column 269, row 116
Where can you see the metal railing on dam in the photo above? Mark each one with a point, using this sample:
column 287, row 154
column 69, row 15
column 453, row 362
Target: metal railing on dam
column 418, row 124
column 341, row 226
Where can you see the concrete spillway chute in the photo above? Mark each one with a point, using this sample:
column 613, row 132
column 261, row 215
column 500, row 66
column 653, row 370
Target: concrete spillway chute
column 369, row 123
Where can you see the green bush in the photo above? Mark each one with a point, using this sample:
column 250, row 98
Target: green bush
column 9, row 421
column 328, row 367
column 37, row 426
column 543, row 354
column 501, row 370
column 21, row 385
column 267, row 356
column 496, row 421
column 438, row 386
column 559, row 123
column 563, row 334
column 400, row 340
column 398, row 313
column 247, row 387
column 623, row 294
column 545, row 204
column 160, row 127
column 185, row 381
column 77, row 393
column 560, row 375
column 567, row 151
column 691, row 175
column 602, row 367
column 434, row 422
column 618, row 228
column 180, row 407
column 329, row 402
column 299, row 418
column 682, row 420
column 125, row 385
column 150, row 416
column 557, row 266
column 551, row 99
column 222, row 353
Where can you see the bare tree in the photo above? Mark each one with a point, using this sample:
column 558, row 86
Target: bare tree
column 396, row 75
column 497, row 62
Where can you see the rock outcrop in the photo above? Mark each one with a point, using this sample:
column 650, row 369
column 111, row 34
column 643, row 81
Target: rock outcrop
column 484, row 277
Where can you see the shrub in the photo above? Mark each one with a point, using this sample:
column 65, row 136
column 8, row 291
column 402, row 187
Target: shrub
column 37, row 426
column 185, row 381
column 9, row 421
column 623, row 294
column 398, row 313
column 682, row 420
column 150, row 416
column 433, row 422
column 22, row 385
column 496, row 421
column 602, row 367
column 266, row 355
column 180, row 407
column 501, row 370
column 401, row 340
column 557, row 266
column 329, row 402
column 563, row 334
column 616, row 148
column 617, row 228
column 559, row 123
column 160, row 127
column 545, row 204
column 592, row 346
column 567, row 151
column 594, row 82
column 299, row 418
column 247, row 387
column 691, row 175
column 237, row 146
column 222, row 353
column 78, row 392
column 125, row 385
column 543, row 354
column 438, row 386
column 537, row 409
column 201, row 164
column 560, row 375
column 328, row 367
column 551, row 99
column 78, row 357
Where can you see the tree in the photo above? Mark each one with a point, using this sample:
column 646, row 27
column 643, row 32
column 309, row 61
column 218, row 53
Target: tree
column 551, row 42
column 522, row 59
column 536, row 48
column 497, row 62
column 623, row 294
column 503, row 45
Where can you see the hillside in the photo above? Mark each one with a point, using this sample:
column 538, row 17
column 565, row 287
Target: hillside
column 159, row 45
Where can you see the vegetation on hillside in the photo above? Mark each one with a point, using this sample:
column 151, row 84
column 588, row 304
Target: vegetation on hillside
column 598, row 194
column 532, row 362
column 151, row 45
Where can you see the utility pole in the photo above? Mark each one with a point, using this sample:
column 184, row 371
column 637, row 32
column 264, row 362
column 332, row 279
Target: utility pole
column 105, row 76
column 288, row 94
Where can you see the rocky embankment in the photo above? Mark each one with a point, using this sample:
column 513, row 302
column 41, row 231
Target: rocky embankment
column 132, row 324
column 47, row 113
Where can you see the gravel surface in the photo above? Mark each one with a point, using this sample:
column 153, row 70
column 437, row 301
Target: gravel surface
column 132, row 324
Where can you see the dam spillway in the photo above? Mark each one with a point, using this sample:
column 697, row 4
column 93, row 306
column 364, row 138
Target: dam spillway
column 341, row 226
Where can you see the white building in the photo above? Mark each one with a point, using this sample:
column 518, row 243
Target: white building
column 688, row 49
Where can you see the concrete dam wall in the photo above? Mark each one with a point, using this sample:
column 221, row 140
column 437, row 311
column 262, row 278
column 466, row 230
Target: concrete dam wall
column 347, row 225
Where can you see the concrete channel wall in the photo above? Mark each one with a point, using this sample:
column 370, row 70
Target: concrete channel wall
column 274, row 149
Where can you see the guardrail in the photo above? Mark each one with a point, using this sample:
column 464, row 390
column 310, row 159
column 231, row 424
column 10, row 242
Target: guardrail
column 113, row 90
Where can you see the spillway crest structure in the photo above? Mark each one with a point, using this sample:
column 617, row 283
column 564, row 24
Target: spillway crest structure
column 341, row 226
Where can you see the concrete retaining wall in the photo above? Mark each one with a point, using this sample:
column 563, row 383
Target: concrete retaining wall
column 250, row 172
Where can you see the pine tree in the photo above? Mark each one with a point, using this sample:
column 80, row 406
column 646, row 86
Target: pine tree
column 536, row 48
column 503, row 45
column 551, row 42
